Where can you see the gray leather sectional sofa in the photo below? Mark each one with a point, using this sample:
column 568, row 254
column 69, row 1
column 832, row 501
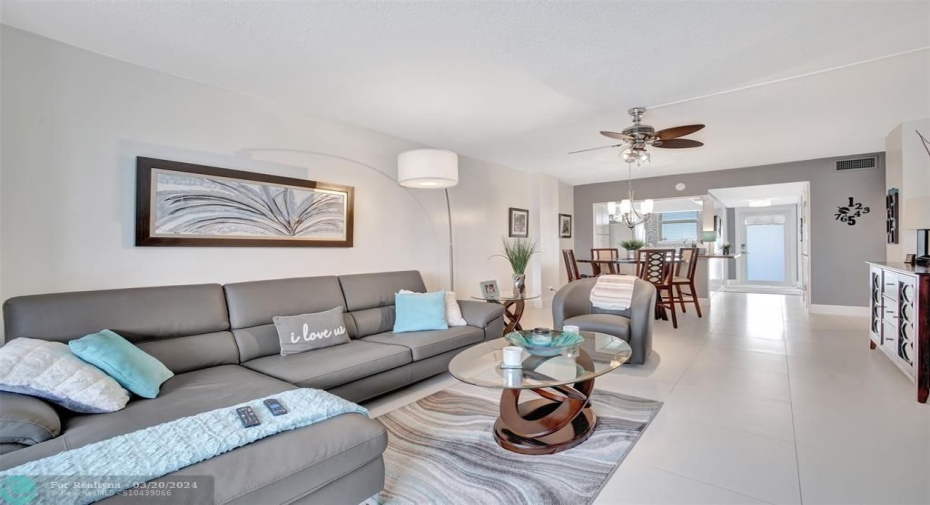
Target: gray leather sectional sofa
column 221, row 344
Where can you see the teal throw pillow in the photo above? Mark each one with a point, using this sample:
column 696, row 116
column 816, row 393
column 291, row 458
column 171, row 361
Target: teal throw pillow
column 420, row 311
column 131, row 367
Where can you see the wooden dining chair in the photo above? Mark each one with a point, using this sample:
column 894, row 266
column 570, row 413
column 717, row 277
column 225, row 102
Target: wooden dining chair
column 571, row 266
column 684, row 276
column 655, row 266
column 606, row 254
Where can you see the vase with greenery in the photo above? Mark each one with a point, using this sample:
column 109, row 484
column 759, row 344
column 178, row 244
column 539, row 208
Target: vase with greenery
column 726, row 248
column 632, row 246
column 518, row 253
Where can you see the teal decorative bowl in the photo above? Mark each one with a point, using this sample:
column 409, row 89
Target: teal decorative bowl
column 560, row 341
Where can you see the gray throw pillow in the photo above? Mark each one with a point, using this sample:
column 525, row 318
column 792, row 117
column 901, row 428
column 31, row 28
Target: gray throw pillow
column 311, row 331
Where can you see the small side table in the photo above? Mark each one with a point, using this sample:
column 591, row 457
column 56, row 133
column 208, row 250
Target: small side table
column 511, row 316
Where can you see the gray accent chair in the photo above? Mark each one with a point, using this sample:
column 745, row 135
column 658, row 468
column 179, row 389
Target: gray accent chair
column 571, row 305
column 223, row 348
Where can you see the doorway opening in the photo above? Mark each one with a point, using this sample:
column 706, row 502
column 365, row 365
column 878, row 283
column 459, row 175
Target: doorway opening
column 766, row 229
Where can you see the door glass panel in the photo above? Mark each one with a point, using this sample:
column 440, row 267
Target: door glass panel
column 765, row 245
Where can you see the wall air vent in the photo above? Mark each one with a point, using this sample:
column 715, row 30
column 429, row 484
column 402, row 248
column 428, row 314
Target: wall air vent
column 857, row 164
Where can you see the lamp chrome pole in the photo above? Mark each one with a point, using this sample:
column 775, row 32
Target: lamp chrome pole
column 451, row 244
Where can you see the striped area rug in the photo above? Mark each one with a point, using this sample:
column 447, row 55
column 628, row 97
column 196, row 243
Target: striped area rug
column 441, row 451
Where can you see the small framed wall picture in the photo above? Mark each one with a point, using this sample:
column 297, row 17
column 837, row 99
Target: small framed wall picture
column 565, row 225
column 519, row 223
column 489, row 290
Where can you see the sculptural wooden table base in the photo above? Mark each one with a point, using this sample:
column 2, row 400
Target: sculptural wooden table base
column 560, row 420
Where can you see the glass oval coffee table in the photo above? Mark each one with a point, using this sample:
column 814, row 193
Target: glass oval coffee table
column 562, row 418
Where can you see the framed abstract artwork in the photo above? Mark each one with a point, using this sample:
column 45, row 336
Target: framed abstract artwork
column 519, row 222
column 565, row 226
column 182, row 204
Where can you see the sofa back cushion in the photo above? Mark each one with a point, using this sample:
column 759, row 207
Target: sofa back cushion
column 370, row 299
column 252, row 305
column 184, row 327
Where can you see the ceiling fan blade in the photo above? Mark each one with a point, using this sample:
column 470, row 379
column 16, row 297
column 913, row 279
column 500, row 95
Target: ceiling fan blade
column 678, row 131
column 677, row 144
column 596, row 148
column 615, row 135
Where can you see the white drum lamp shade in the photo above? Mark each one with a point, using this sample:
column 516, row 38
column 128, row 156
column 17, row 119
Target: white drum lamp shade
column 428, row 169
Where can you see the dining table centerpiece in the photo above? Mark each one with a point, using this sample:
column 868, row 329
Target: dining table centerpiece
column 632, row 246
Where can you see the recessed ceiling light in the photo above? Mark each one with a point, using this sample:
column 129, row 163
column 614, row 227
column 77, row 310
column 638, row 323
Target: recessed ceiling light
column 765, row 202
column 680, row 186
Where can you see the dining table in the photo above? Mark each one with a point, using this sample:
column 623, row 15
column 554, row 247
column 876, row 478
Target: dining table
column 711, row 274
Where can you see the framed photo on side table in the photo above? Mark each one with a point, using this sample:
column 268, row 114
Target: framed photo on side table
column 519, row 224
column 489, row 290
column 565, row 226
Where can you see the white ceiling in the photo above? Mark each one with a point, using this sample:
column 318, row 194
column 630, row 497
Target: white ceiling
column 523, row 83
column 779, row 194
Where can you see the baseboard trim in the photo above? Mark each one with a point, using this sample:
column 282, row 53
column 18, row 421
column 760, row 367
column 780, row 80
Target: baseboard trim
column 839, row 310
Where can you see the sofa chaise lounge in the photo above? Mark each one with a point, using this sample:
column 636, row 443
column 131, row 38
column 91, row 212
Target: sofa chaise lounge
column 223, row 348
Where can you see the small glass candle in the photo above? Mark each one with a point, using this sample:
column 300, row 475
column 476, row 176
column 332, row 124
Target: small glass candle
column 513, row 356
column 541, row 336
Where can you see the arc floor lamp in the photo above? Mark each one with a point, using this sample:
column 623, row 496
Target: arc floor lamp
column 432, row 169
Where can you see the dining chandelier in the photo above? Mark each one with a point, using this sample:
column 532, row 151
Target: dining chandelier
column 629, row 213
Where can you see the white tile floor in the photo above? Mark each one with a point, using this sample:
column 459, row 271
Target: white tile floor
column 763, row 404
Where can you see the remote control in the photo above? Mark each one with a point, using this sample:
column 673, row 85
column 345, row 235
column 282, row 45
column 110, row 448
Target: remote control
column 275, row 407
column 248, row 417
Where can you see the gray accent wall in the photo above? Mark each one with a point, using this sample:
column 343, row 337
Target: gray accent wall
column 838, row 252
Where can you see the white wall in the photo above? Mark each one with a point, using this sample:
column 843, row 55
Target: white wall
column 74, row 121
column 907, row 167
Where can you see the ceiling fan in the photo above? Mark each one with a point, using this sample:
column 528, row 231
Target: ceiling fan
column 638, row 136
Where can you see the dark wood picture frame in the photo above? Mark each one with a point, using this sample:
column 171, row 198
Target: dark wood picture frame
column 562, row 218
column 146, row 212
column 513, row 217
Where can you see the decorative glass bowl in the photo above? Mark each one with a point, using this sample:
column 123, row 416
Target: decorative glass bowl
column 559, row 341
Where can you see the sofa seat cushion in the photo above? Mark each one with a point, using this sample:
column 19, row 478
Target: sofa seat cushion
column 610, row 324
column 183, row 395
column 425, row 344
column 284, row 467
column 332, row 366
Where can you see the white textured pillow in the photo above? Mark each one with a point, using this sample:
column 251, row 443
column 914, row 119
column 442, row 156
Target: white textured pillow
column 48, row 370
column 453, row 311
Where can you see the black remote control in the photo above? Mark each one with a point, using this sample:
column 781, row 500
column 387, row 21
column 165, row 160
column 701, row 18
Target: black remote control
column 248, row 417
column 275, row 407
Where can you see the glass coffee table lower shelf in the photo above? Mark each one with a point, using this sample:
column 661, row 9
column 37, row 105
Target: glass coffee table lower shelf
column 562, row 417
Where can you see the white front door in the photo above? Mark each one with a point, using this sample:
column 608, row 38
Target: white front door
column 767, row 239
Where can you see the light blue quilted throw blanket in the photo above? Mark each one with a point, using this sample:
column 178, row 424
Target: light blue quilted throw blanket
column 108, row 467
